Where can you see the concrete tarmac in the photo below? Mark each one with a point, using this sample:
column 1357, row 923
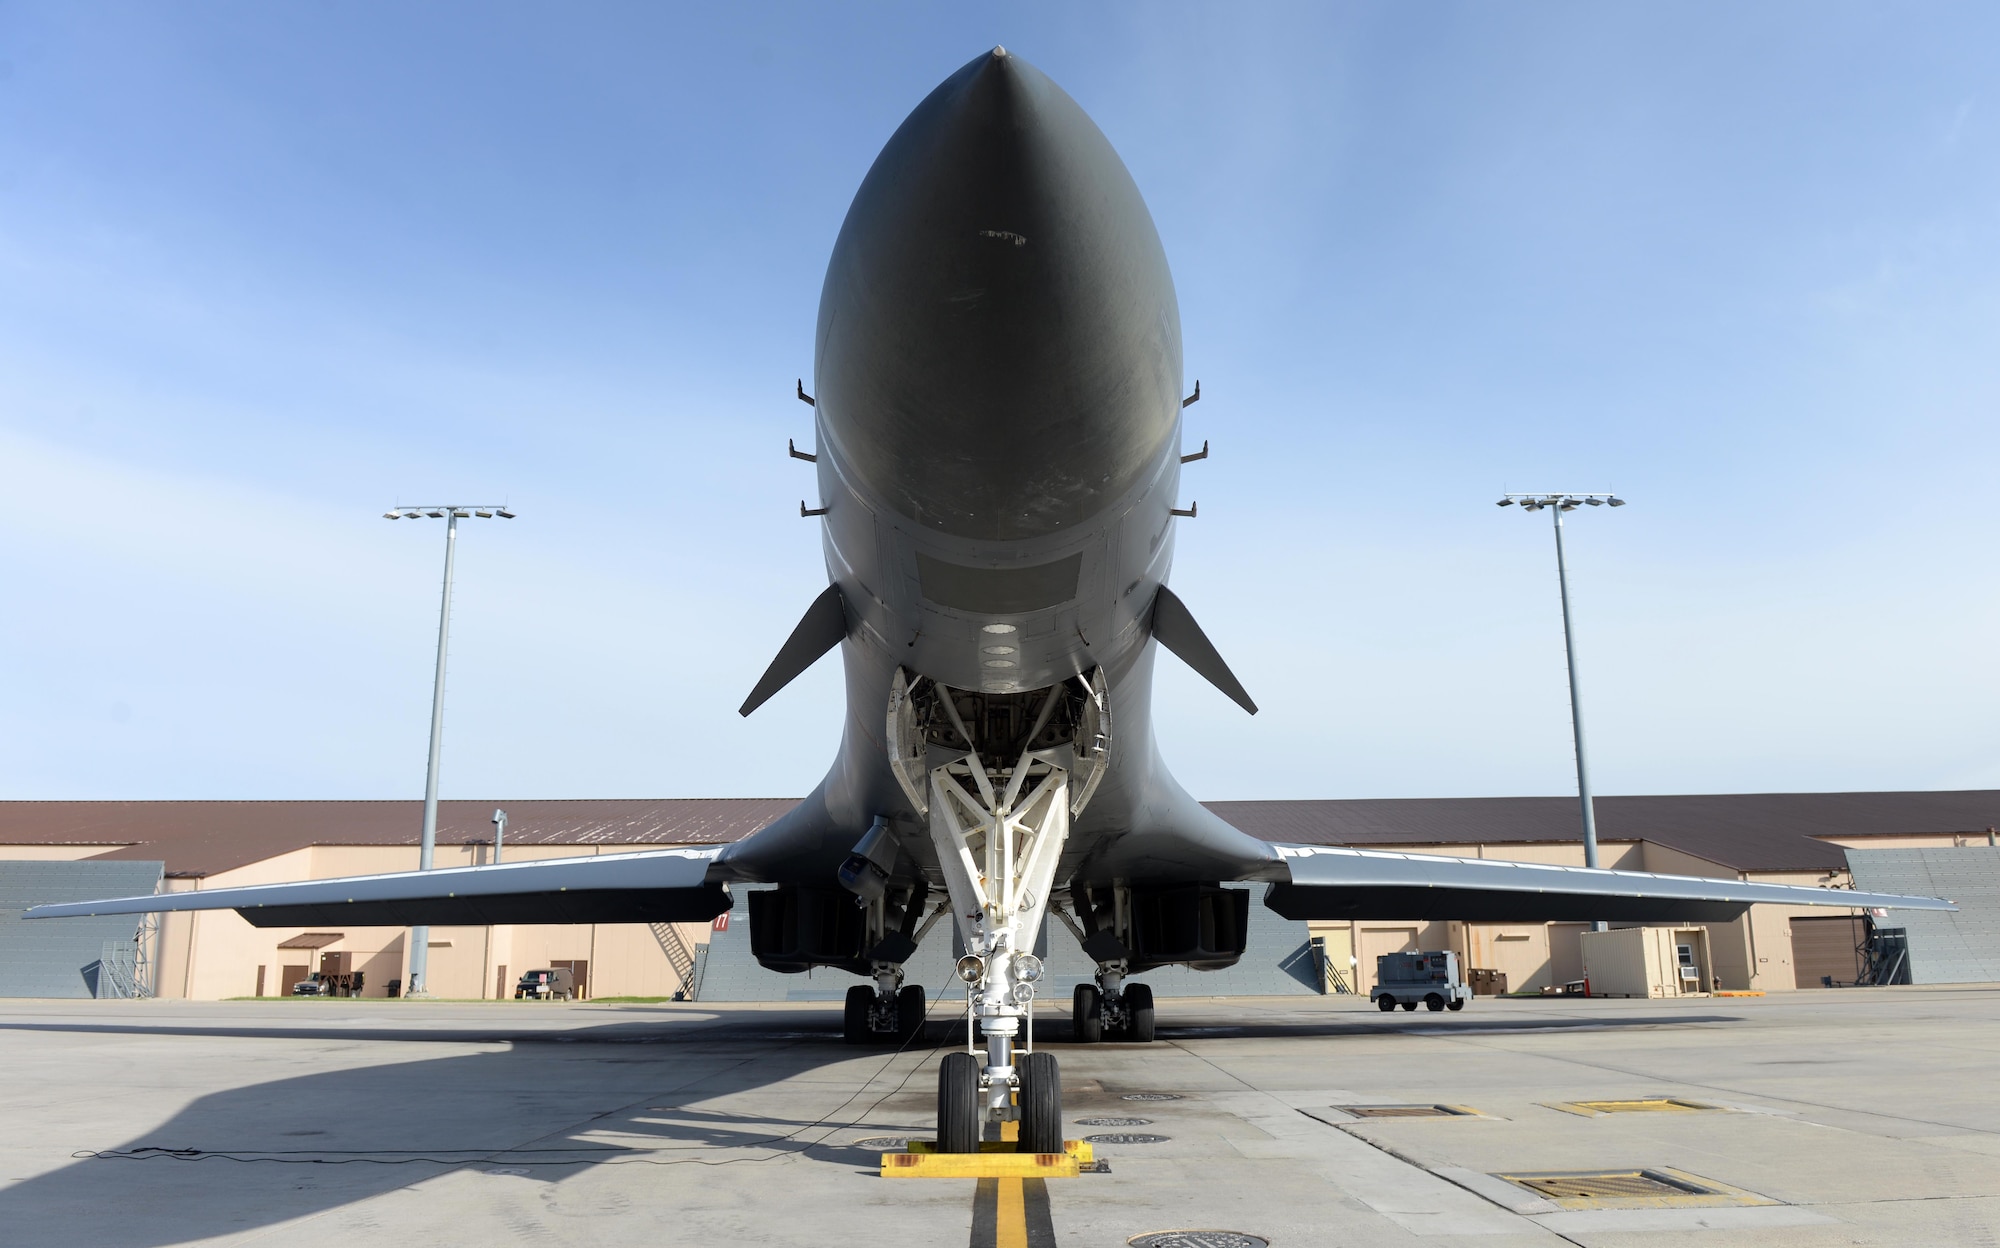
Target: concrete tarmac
column 1863, row 1116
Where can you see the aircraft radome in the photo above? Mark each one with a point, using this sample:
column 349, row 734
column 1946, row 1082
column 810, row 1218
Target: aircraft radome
column 998, row 401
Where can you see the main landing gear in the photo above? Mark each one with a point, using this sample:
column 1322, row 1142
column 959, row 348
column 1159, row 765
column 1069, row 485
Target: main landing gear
column 1114, row 1011
column 884, row 1013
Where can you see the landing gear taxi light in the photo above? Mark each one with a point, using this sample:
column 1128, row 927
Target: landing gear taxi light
column 1027, row 967
column 972, row 968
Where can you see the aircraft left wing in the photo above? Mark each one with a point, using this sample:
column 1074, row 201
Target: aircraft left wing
column 1335, row 882
column 650, row 886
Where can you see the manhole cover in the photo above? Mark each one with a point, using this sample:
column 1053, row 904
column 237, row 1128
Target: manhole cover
column 1150, row 1096
column 1402, row 1111
column 1114, row 1122
column 1126, row 1137
column 1198, row 1239
column 884, row 1143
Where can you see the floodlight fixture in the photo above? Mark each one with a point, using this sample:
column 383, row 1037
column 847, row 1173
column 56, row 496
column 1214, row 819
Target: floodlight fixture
column 483, row 515
column 435, row 515
column 392, row 515
column 503, row 513
column 1615, row 502
column 1505, row 502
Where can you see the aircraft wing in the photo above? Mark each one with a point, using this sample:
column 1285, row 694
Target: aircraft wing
column 1334, row 882
column 651, row 886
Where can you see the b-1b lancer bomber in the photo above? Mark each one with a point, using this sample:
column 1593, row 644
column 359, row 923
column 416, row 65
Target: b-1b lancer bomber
column 998, row 399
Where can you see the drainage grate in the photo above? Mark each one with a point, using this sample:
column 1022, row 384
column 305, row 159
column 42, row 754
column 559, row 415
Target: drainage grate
column 1125, row 1137
column 1648, row 1105
column 1114, row 1122
column 1150, row 1096
column 883, row 1143
column 1198, row 1239
column 1648, row 1188
column 1406, row 1111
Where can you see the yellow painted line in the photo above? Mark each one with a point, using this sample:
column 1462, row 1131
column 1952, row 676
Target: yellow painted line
column 1010, row 1210
column 1010, row 1217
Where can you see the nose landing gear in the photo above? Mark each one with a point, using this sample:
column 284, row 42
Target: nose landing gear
column 999, row 830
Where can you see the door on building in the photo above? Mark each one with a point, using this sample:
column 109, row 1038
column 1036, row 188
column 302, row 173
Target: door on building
column 579, row 969
column 1376, row 941
column 260, row 981
column 1824, row 949
column 292, row 975
column 501, row 988
column 1566, row 952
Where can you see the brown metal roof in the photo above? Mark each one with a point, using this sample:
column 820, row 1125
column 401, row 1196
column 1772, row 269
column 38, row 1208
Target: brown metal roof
column 202, row 838
column 1745, row 832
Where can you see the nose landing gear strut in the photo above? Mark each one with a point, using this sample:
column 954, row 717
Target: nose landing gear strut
column 999, row 834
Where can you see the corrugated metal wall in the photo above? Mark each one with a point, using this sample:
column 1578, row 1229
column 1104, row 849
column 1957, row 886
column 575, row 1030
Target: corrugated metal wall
column 1945, row 948
column 60, row 957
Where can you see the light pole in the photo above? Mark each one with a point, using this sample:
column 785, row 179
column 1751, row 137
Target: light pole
column 1558, row 504
column 420, row 937
column 499, row 832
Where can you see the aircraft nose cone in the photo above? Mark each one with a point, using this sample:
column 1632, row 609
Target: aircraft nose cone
column 999, row 345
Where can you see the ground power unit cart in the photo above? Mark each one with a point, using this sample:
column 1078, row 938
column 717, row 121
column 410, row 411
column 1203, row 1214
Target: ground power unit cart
column 1412, row 979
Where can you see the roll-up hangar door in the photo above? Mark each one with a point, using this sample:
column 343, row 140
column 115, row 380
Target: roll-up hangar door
column 1827, row 948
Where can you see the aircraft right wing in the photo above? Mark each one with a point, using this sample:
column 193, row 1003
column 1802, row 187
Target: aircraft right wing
column 649, row 886
column 1335, row 882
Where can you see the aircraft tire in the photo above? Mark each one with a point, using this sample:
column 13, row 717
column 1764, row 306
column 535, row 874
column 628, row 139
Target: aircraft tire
column 1041, row 1104
column 1387, row 1004
column 1434, row 1003
column 910, row 1008
column 854, row 1018
column 1139, row 1008
column 958, row 1103
column 1087, row 1014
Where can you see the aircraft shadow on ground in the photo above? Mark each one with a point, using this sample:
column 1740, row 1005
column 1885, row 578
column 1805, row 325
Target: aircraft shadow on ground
column 284, row 1149
column 288, row 1148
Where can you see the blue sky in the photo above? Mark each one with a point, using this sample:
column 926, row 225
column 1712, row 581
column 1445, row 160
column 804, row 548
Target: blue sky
column 265, row 270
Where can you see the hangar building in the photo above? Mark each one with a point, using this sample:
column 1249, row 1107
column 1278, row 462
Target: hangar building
column 1790, row 838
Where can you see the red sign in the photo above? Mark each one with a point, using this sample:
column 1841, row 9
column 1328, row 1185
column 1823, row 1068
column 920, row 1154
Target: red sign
column 721, row 923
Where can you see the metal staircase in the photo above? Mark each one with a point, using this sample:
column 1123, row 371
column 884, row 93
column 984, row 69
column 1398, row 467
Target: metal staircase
column 684, row 958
